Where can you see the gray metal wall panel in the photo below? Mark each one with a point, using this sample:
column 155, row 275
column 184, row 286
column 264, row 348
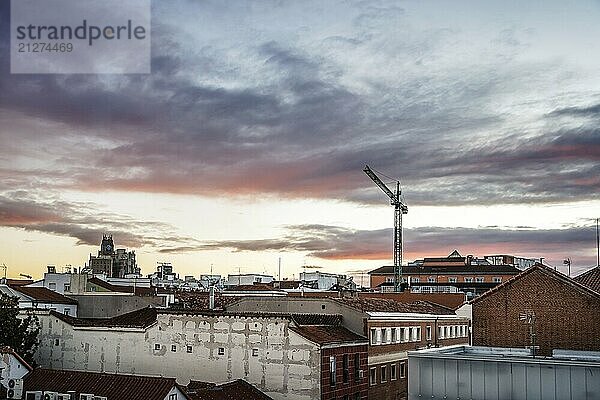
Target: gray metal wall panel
column 452, row 379
column 477, row 379
column 504, row 381
column 593, row 383
column 563, row 382
column 414, row 371
column 519, row 382
column 578, row 390
column 491, row 380
column 532, row 384
column 548, row 380
column 464, row 379
column 426, row 378
column 439, row 376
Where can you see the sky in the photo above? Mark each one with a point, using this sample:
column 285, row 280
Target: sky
column 247, row 141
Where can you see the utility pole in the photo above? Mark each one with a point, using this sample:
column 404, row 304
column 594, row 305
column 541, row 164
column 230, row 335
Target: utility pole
column 4, row 266
column 279, row 273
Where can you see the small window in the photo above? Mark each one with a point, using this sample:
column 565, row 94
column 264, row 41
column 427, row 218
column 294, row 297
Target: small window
column 156, row 346
column 52, row 286
column 346, row 368
column 414, row 280
column 189, row 349
column 357, row 367
column 67, row 311
column 254, row 352
column 67, row 287
column 418, row 334
column 357, row 396
column 393, row 375
column 403, row 334
column 440, row 332
column 221, row 351
column 57, row 342
column 431, row 279
column 383, row 373
column 173, row 396
column 373, row 336
column 394, row 339
column 496, row 279
column 479, row 279
column 468, row 280
column 322, row 306
column 428, row 332
column 332, row 377
column 403, row 369
column 373, row 376
column 384, row 335
column 411, row 334
column 452, row 279
column 173, row 348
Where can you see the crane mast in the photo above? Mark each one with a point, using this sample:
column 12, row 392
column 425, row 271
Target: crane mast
column 399, row 209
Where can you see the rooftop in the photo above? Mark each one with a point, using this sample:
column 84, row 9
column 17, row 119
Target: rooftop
column 590, row 279
column 328, row 334
column 448, row 269
column 112, row 386
column 43, row 295
column 387, row 305
column 136, row 319
column 235, row 390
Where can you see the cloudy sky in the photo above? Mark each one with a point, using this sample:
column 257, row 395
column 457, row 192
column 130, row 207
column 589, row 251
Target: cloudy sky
column 247, row 141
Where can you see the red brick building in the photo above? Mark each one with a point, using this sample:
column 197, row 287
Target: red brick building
column 562, row 313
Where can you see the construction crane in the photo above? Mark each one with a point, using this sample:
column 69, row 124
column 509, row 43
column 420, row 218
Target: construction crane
column 399, row 209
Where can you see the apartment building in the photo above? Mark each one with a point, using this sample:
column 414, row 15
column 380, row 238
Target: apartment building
column 299, row 357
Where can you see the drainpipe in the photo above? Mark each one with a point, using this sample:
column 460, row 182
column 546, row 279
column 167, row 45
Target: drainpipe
column 211, row 298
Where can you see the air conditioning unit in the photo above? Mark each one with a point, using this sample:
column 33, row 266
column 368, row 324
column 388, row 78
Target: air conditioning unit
column 361, row 374
column 84, row 396
column 63, row 396
column 33, row 396
column 15, row 388
column 50, row 396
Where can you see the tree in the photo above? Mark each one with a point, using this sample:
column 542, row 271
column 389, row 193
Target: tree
column 17, row 332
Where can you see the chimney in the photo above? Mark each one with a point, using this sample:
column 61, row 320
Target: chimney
column 211, row 298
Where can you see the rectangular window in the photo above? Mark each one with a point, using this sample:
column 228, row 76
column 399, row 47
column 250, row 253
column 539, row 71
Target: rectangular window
column 393, row 375
column 56, row 342
column 52, row 286
column 428, row 332
column 418, row 334
column 431, row 279
column 221, row 351
column 67, row 311
column 403, row 369
column 346, row 368
column 496, row 279
column 254, row 352
column 332, row 370
column 411, row 334
column 356, row 367
column 383, row 335
column 440, row 332
column 373, row 336
column 468, row 280
column 156, row 346
column 173, row 396
column 357, row 396
column 173, row 348
column 67, row 287
column 394, row 339
column 373, row 376
column 414, row 280
column 452, row 279
column 189, row 349
column 383, row 373
column 402, row 334
column 479, row 279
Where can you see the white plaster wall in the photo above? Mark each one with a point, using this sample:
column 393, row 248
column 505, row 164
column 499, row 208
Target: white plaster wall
column 11, row 368
column 262, row 351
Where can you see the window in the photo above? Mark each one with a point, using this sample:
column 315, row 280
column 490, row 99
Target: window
column 402, row 334
column 67, row 311
column 468, row 280
column 221, row 351
column 428, row 332
column 332, row 370
column 52, row 286
column 389, row 280
column 393, row 375
column 479, row 279
column 357, row 396
column 57, row 342
column 254, row 352
column 452, row 279
column 356, row 367
column 414, row 279
column 394, row 338
column 496, row 279
column 373, row 336
column 67, row 287
column 346, row 397
column 373, row 376
column 173, row 396
column 418, row 334
column 403, row 369
column 383, row 373
column 411, row 334
column 440, row 332
column 156, row 346
column 189, row 349
column 384, row 335
column 173, row 348
column 431, row 279
column 346, row 368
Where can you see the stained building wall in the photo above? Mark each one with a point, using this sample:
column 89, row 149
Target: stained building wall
column 263, row 351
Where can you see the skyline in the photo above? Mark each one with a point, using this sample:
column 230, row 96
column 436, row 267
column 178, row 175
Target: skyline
column 247, row 141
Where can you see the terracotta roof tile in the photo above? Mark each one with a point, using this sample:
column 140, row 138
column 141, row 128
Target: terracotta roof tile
column 112, row 386
column 387, row 305
column 459, row 269
column 590, row 279
column 44, row 295
column 328, row 334
column 236, row 390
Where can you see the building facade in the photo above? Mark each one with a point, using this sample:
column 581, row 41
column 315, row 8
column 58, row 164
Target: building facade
column 280, row 355
column 111, row 262
column 541, row 309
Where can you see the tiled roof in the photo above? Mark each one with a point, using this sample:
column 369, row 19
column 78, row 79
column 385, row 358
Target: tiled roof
column 197, row 300
column 236, row 390
column 386, row 305
column 19, row 282
column 450, row 300
column 590, row 279
column 458, row 269
column 317, row 319
column 111, row 386
column 328, row 334
column 44, row 295
column 136, row 319
column 546, row 270
column 257, row 287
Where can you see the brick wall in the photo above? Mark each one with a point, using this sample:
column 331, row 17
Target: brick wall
column 354, row 388
column 566, row 318
column 389, row 388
